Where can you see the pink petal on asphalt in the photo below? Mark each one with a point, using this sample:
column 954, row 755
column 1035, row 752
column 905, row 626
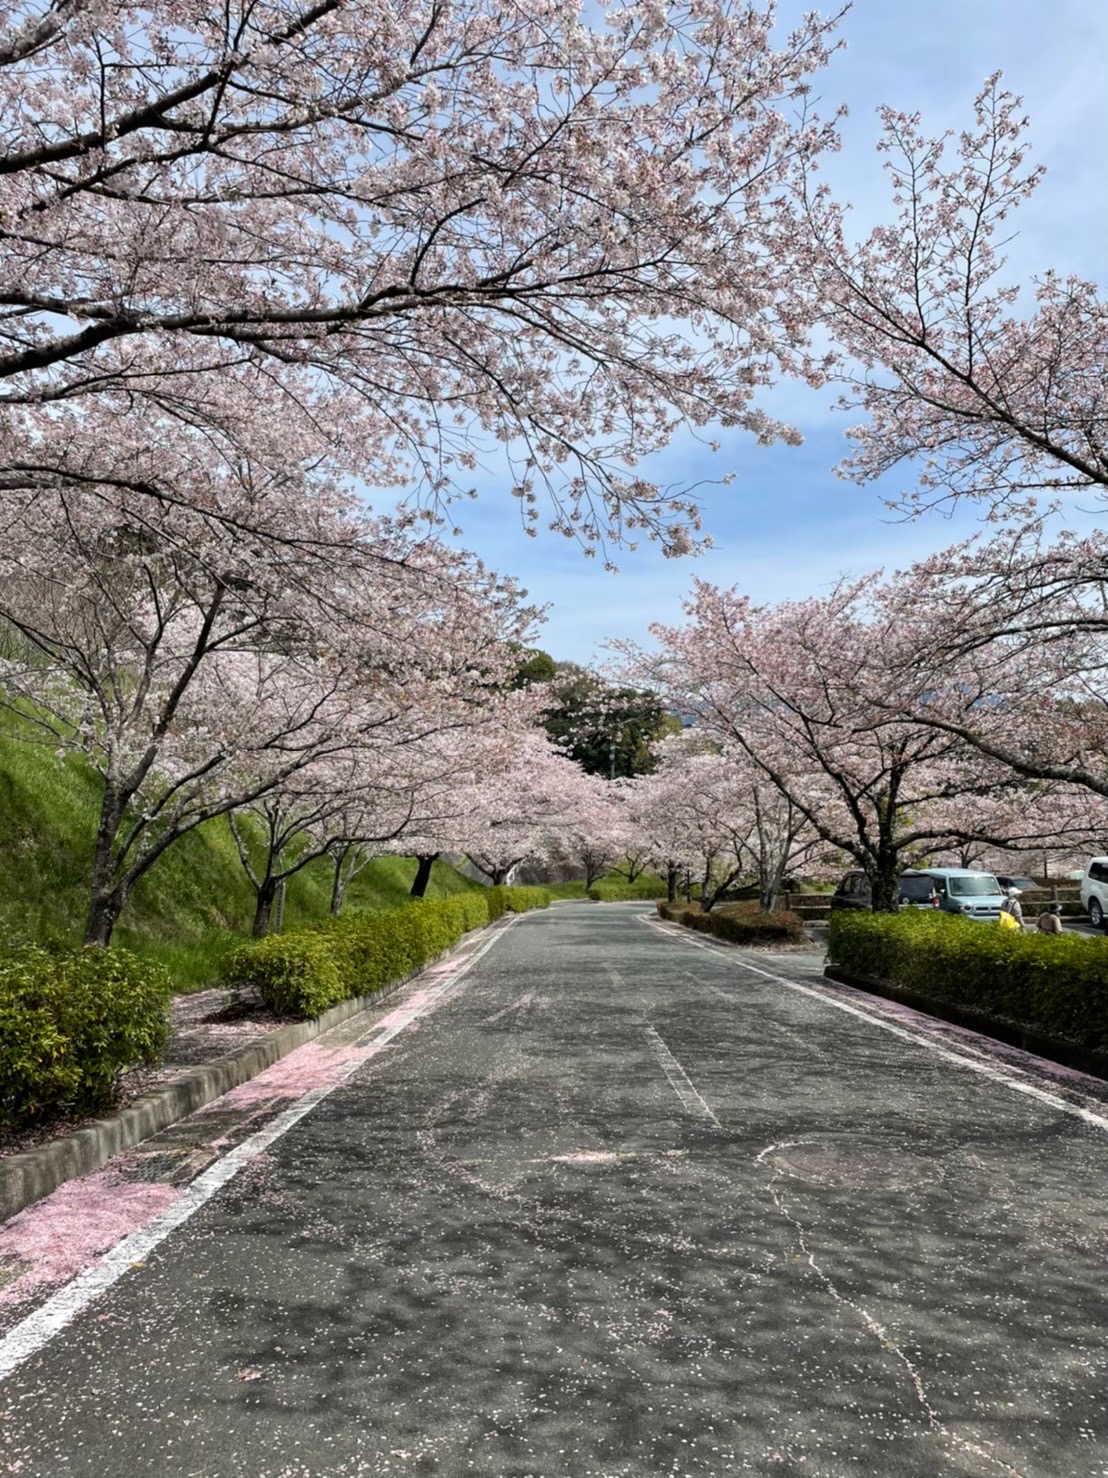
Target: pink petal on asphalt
column 62, row 1234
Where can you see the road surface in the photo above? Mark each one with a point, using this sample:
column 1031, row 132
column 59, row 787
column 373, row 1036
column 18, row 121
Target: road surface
column 619, row 1202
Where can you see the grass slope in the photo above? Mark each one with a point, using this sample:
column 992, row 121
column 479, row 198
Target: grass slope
column 193, row 905
column 575, row 888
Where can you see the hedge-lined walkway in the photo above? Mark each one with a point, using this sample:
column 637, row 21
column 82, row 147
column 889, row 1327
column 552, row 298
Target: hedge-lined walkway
column 82, row 1029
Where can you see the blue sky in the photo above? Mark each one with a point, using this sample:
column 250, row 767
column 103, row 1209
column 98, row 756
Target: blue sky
column 787, row 526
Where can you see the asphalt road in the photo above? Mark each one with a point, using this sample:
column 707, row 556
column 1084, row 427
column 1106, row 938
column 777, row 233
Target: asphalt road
column 620, row 1206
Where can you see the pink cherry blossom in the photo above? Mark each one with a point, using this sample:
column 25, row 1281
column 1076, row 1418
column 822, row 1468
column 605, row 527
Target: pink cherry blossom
column 398, row 237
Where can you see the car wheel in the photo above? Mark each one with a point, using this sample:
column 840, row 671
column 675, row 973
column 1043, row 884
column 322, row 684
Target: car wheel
column 1096, row 913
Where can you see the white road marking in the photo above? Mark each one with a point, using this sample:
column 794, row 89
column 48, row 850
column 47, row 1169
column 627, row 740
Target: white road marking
column 30, row 1335
column 960, row 1059
column 523, row 1004
column 679, row 1079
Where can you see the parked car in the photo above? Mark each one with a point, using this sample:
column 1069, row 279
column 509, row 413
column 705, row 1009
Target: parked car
column 853, row 892
column 961, row 890
column 1094, row 890
column 1023, row 884
column 917, row 890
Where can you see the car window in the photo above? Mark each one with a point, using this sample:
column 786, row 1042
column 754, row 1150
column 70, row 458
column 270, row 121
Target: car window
column 916, row 887
column 978, row 886
column 1098, row 871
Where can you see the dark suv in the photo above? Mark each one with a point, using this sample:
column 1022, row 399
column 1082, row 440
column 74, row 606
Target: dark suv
column 916, row 890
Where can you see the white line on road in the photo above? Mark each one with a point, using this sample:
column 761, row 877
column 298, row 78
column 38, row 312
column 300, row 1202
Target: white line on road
column 960, row 1059
column 679, row 1079
column 523, row 1004
column 30, row 1335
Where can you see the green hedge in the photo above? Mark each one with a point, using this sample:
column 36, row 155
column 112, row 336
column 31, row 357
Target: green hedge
column 740, row 925
column 504, row 900
column 1054, row 984
column 303, row 973
column 299, row 974
column 641, row 888
column 71, row 1023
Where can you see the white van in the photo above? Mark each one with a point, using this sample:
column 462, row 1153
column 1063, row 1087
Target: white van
column 1094, row 890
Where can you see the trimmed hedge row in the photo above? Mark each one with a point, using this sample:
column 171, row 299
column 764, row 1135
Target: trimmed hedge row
column 641, row 888
column 71, row 1023
column 739, row 925
column 522, row 899
column 303, row 973
column 1050, row 983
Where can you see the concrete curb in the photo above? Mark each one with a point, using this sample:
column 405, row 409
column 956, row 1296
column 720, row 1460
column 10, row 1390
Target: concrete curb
column 1054, row 1049
column 27, row 1177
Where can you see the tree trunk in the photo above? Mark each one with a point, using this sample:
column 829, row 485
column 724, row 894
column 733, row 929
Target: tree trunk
column 707, row 895
column 769, row 885
column 671, row 883
column 884, row 885
column 107, row 896
column 104, row 911
column 264, row 908
column 423, row 874
column 500, row 876
column 338, row 883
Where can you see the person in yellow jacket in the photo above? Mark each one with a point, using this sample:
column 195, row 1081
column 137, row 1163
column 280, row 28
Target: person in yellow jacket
column 1013, row 905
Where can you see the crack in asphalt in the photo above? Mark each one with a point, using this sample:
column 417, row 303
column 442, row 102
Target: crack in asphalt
column 866, row 1319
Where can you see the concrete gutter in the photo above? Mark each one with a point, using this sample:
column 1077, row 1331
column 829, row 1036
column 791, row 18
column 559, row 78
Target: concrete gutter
column 1054, row 1049
column 27, row 1177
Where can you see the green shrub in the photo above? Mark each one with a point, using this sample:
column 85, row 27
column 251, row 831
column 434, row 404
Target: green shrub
column 739, row 924
column 497, row 902
column 1055, row 984
column 295, row 974
column 71, row 1023
column 516, row 900
column 640, row 889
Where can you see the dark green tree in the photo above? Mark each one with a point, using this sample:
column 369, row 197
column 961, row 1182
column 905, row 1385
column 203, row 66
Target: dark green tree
column 608, row 730
column 535, row 666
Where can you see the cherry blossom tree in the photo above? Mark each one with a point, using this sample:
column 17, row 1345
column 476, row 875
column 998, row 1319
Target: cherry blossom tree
column 1004, row 647
column 634, row 851
column 709, row 810
column 982, row 386
column 783, row 841
column 805, row 691
column 398, row 235
column 594, row 835
column 706, row 799
column 196, row 684
column 342, row 808
column 514, row 804
column 654, row 813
